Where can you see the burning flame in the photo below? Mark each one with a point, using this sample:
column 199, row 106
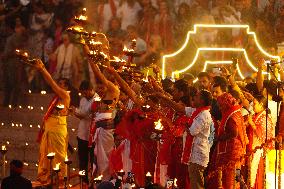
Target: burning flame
column 133, row 40
column 82, row 173
column 146, row 78
column 158, row 125
column 133, row 186
column 84, row 9
column 99, row 177
column 56, row 166
column 97, row 99
column 121, row 171
column 3, row 148
column 175, row 182
column 81, row 17
column 148, row 174
column 66, row 158
column 125, row 49
column 60, row 106
column 51, row 154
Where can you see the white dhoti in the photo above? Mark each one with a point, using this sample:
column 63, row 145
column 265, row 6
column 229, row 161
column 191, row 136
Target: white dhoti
column 104, row 143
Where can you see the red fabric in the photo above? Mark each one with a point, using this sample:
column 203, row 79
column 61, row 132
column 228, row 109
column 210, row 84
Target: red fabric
column 137, row 127
column 115, row 159
column 260, row 175
column 189, row 137
column 228, row 149
column 93, row 124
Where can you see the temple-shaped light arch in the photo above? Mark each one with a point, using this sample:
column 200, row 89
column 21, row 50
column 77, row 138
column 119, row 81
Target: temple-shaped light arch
column 196, row 26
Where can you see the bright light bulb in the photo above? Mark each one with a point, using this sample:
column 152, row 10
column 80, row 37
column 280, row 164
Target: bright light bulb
column 13, row 124
column 27, row 144
column 31, row 126
column 21, row 125
column 41, row 108
column 73, row 130
column 10, row 106
column 30, row 91
column 7, row 142
column 20, row 107
column 38, row 126
column 2, row 124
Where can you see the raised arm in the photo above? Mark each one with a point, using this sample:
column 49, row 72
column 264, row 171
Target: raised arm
column 124, row 86
column 63, row 94
column 179, row 107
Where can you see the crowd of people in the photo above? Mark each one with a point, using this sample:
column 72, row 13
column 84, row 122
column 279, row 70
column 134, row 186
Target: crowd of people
column 173, row 129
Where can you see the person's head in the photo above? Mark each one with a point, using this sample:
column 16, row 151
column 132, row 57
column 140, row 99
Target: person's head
column 16, row 167
column 167, row 85
column 204, row 80
column 259, row 103
column 189, row 78
column 115, row 23
column 219, row 86
column 163, row 7
column 66, row 39
column 249, row 80
column 180, row 89
column 132, row 32
column 183, row 10
column 202, row 98
column 226, row 102
column 64, row 83
column 86, row 89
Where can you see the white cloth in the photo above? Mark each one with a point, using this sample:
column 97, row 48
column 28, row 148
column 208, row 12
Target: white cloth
column 128, row 14
column 64, row 61
column 107, row 15
column 104, row 145
column 272, row 105
column 84, row 111
column 200, row 130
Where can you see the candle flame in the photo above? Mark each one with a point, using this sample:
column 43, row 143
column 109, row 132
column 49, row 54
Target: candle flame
column 125, row 49
column 133, row 40
column 81, row 17
column 158, row 125
column 66, row 158
column 121, row 171
column 99, row 177
column 146, row 78
column 60, row 106
column 4, row 147
column 133, row 186
column 56, row 166
column 148, row 174
column 82, row 173
column 51, row 154
column 84, row 9
column 175, row 182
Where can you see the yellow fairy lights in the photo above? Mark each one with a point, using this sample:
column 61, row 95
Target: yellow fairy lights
column 196, row 26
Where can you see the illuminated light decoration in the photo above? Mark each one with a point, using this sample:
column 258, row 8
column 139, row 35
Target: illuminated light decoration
column 21, row 125
column 38, row 126
column 32, row 108
column 13, row 124
column 221, row 62
column 83, row 173
column 7, row 142
column 31, row 126
column 75, row 149
column 17, row 125
column 27, row 144
column 41, row 108
column 73, row 130
column 2, row 124
column 36, row 165
column 43, row 92
column 10, row 106
column 20, row 107
column 30, row 91
column 26, row 164
column 215, row 49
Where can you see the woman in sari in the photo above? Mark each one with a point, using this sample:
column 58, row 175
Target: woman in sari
column 257, row 136
column 54, row 128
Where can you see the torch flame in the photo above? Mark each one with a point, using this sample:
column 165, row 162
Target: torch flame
column 51, row 154
column 99, row 177
column 81, row 17
column 57, row 166
column 148, row 174
column 158, row 125
column 121, row 171
column 82, row 173
column 85, row 9
column 3, row 147
column 66, row 158
column 146, row 78
column 175, row 182
column 116, row 59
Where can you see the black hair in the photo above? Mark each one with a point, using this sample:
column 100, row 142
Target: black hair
column 220, row 81
column 85, row 85
column 106, row 185
column 167, row 85
column 206, row 96
column 252, row 89
column 182, row 86
column 17, row 163
column 74, row 93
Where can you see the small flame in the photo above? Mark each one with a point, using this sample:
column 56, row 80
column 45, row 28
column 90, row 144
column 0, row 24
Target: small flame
column 146, row 78
column 51, row 154
column 66, row 158
column 85, row 9
column 56, row 166
column 121, row 171
column 3, row 148
column 99, row 177
column 148, row 174
column 125, row 49
column 60, row 106
column 158, row 125
column 42, row 92
column 133, row 40
column 81, row 17
column 133, row 186
column 175, row 182
column 82, row 173
column 103, row 54
column 97, row 99
column 17, row 51
column 116, row 59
